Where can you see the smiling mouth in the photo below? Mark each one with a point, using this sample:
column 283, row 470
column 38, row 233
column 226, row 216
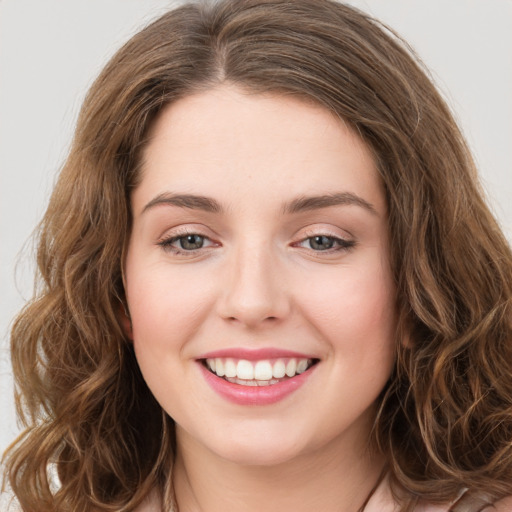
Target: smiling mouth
column 266, row 372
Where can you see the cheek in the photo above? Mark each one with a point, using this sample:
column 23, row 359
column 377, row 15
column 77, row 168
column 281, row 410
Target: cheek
column 356, row 313
column 167, row 309
column 166, row 306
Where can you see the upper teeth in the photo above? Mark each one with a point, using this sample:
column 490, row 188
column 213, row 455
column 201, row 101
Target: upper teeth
column 258, row 370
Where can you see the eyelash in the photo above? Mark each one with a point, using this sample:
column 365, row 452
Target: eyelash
column 166, row 243
column 340, row 244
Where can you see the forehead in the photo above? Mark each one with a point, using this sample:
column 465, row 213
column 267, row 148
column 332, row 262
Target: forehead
column 235, row 144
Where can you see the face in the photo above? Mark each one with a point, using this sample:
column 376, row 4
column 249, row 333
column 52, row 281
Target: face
column 258, row 277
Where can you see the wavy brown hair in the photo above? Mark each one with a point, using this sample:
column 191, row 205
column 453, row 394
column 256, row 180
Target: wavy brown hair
column 445, row 419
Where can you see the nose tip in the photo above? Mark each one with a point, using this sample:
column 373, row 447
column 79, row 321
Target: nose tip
column 251, row 315
column 253, row 294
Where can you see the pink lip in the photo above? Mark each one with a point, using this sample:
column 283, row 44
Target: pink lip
column 253, row 395
column 254, row 354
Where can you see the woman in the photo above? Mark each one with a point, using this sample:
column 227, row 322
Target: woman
column 270, row 282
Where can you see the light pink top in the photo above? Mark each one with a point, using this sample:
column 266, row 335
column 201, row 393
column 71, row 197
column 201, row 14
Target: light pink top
column 382, row 501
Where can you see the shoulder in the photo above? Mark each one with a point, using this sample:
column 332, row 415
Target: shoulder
column 383, row 501
column 503, row 505
column 479, row 504
column 151, row 504
column 148, row 507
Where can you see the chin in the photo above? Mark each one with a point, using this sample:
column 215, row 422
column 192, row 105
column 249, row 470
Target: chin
column 258, row 456
column 259, row 448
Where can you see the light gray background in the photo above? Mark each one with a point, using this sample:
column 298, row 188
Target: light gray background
column 51, row 50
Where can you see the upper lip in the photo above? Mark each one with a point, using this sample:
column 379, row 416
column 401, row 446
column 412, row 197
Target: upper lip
column 255, row 354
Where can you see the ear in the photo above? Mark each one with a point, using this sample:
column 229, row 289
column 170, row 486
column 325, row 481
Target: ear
column 125, row 321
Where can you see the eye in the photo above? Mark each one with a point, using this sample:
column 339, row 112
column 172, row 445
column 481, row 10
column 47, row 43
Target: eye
column 321, row 242
column 326, row 243
column 185, row 243
column 190, row 242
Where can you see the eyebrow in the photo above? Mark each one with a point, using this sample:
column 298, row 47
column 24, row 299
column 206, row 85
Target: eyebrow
column 302, row 203
column 191, row 201
column 306, row 203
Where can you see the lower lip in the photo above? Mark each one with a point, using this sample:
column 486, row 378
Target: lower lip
column 255, row 395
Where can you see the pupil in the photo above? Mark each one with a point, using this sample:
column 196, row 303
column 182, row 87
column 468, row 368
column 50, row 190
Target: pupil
column 192, row 242
column 322, row 243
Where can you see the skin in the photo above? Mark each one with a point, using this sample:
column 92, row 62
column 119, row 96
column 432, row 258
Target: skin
column 258, row 282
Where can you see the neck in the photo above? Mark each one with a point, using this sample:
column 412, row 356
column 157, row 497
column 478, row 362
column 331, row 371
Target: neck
column 338, row 477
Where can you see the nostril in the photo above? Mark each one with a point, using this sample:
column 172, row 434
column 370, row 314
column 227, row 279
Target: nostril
column 241, row 319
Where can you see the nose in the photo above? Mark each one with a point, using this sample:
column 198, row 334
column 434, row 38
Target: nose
column 254, row 293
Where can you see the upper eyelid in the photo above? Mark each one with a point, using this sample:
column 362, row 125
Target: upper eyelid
column 300, row 235
column 180, row 230
column 177, row 236
column 166, row 243
column 327, row 235
column 342, row 240
column 311, row 232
